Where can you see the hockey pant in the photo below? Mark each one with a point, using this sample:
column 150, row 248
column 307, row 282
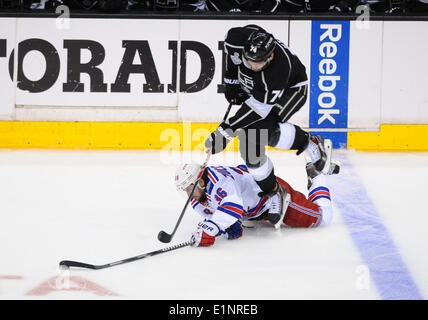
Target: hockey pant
column 256, row 133
column 314, row 211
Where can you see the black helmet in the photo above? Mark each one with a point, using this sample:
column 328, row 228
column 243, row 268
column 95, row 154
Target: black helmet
column 259, row 46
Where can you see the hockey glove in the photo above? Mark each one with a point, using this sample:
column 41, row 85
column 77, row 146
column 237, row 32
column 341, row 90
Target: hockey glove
column 234, row 94
column 234, row 231
column 205, row 234
column 219, row 138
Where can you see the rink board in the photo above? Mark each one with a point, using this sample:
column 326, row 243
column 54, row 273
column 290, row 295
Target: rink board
column 98, row 74
column 175, row 136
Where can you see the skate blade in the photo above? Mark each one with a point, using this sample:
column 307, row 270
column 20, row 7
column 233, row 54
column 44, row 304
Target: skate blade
column 328, row 150
column 285, row 204
column 249, row 224
column 334, row 167
column 307, row 157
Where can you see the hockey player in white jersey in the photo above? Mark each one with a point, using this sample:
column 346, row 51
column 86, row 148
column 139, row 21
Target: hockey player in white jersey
column 227, row 196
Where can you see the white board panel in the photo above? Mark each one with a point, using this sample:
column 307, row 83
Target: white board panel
column 387, row 70
column 405, row 72
column 118, row 49
column 7, row 92
column 365, row 75
column 300, row 44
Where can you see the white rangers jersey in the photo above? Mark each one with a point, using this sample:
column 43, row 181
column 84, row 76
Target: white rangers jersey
column 232, row 194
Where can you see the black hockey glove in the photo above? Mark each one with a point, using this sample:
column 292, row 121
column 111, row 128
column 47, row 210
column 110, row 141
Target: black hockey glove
column 234, row 94
column 219, row 138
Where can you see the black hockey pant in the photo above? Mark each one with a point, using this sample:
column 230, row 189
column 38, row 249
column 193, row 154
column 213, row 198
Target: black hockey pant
column 254, row 138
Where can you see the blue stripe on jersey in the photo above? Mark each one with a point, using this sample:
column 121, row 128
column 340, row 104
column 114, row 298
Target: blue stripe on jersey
column 213, row 174
column 194, row 204
column 319, row 189
column 209, row 187
column 233, row 214
column 243, row 167
column 232, row 204
column 254, row 209
column 319, row 197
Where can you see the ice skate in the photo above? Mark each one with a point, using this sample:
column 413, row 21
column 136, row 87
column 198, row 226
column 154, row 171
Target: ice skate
column 319, row 151
column 312, row 172
column 278, row 207
column 250, row 223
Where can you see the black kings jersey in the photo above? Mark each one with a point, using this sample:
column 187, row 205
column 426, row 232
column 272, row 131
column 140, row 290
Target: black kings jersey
column 266, row 87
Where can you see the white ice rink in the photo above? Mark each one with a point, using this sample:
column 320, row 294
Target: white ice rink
column 102, row 206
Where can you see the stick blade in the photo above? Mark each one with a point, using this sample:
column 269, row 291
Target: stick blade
column 69, row 263
column 164, row 237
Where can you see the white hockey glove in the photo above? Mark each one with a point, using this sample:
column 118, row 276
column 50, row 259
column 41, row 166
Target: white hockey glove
column 205, row 234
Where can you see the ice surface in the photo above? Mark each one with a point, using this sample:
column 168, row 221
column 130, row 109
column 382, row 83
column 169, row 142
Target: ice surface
column 102, row 206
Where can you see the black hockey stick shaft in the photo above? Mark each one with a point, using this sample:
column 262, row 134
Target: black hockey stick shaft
column 69, row 263
column 166, row 237
column 227, row 111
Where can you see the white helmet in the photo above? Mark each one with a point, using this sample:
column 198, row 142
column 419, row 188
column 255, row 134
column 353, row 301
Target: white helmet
column 186, row 174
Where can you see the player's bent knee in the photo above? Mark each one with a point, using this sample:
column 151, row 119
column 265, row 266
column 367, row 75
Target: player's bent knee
column 286, row 137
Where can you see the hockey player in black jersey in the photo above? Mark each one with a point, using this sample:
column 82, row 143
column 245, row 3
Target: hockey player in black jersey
column 270, row 83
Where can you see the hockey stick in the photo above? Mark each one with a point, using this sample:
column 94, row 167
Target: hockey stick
column 68, row 263
column 166, row 237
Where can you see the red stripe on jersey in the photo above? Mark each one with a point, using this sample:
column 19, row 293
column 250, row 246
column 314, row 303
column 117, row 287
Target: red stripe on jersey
column 319, row 193
column 233, row 209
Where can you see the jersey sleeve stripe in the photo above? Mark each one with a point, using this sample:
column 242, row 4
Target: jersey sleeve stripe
column 257, row 208
column 211, row 178
column 232, row 204
column 209, row 187
column 319, row 197
column 300, row 84
column 243, row 167
column 231, row 208
column 194, row 203
column 318, row 189
column 213, row 175
column 266, row 87
column 326, row 194
column 297, row 103
column 237, row 121
column 232, row 213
